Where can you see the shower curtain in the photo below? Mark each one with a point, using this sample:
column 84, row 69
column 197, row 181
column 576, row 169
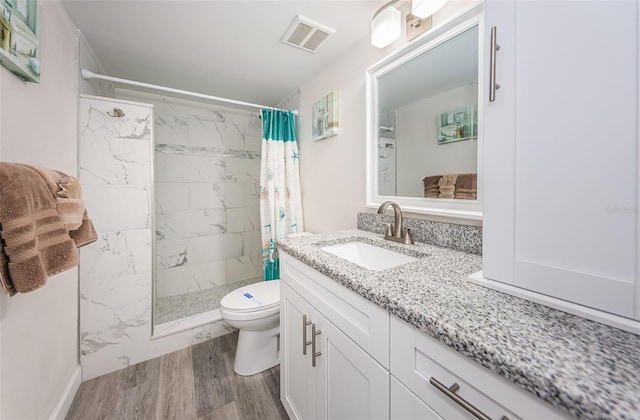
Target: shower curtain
column 280, row 198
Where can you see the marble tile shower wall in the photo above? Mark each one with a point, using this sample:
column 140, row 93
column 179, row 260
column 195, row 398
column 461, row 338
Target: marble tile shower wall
column 207, row 168
column 115, row 157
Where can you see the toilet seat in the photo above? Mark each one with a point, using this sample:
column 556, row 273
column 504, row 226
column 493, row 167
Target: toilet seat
column 231, row 315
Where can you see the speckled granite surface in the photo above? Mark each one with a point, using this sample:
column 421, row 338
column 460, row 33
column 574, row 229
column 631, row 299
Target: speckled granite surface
column 448, row 235
column 586, row 368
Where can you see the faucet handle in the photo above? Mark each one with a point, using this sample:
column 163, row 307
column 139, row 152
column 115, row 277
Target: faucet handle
column 388, row 230
column 408, row 238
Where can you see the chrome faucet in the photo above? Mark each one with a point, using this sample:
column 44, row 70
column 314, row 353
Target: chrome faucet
column 396, row 233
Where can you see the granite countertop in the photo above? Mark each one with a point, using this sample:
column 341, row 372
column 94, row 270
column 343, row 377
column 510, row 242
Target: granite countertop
column 586, row 368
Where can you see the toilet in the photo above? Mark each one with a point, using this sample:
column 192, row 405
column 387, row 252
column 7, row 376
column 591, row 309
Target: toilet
column 255, row 311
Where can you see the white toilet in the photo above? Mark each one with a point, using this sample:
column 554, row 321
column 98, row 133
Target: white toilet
column 254, row 310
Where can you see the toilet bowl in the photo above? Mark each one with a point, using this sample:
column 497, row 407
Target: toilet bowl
column 255, row 311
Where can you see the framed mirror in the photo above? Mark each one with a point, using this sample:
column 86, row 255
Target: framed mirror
column 423, row 123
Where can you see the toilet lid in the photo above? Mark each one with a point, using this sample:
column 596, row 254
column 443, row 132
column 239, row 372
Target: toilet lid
column 253, row 297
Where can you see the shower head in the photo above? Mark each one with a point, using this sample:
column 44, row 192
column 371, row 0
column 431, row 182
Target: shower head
column 387, row 128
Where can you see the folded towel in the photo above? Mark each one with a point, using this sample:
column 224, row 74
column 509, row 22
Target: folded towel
column 466, row 186
column 447, row 185
column 67, row 193
column 35, row 242
column 431, row 188
column 447, row 192
column 448, row 180
column 86, row 233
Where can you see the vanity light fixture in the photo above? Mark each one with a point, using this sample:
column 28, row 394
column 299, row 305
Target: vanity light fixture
column 386, row 25
column 425, row 8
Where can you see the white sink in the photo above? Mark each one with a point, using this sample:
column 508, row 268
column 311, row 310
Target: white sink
column 369, row 256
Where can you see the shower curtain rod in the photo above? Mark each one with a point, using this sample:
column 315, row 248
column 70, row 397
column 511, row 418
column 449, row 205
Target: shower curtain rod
column 88, row 74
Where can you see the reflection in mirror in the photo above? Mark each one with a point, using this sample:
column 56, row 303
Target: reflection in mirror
column 428, row 123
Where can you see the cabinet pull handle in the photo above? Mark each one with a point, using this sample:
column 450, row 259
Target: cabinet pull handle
column 492, row 65
column 451, row 393
column 314, row 353
column 305, row 343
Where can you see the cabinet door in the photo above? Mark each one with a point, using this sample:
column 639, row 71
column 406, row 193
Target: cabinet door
column 405, row 405
column 351, row 384
column 561, row 183
column 297, row 386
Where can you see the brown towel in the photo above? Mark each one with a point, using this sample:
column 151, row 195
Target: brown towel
column 447, row 185
column 467, row 187
column 431, row 188
column 86, row 233
column 35, row 243
column 67, row 194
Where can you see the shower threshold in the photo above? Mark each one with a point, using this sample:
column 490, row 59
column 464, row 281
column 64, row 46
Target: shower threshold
column 190, row 310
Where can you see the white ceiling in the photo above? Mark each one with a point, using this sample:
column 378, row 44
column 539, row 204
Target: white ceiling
column 218, row 47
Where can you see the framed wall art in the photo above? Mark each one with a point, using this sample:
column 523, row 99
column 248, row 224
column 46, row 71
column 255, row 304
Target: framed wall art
column 325, row 116
column 457, row 125
column 20, row 38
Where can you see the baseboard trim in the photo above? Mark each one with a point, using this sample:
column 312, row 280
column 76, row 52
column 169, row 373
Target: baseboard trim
column 66, row 399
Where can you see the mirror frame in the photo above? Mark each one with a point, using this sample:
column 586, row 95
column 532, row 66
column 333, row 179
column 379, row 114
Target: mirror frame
column 466, row 209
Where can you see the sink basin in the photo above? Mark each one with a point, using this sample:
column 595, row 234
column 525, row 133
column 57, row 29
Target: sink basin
column 369, row 256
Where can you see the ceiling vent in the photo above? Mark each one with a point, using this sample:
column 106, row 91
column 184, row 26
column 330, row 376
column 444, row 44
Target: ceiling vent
column 306, row 34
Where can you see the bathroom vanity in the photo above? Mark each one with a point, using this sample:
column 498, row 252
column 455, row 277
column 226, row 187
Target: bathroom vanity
column 554, row 145
column 391, row 343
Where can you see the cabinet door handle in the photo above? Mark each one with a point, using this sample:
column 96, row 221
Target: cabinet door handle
column 314, row 353
column 305, row 343
column 451, row 393
column 492, row 65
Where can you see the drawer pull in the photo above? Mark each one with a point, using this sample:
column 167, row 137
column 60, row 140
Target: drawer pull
column 305, row 343
column 451, row 393
column 314, row 353
column 492, row 65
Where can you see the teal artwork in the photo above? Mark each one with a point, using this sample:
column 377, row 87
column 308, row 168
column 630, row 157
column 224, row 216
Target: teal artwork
column 325, row 115
column 456, row 125
column 20, row 38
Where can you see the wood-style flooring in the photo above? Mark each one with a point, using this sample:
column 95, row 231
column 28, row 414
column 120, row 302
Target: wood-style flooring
column 194, row 383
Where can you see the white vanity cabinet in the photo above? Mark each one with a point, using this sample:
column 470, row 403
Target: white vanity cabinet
column 406, row 405
column 418, row 361
column 371, row 365
column 561, row 151
column 345, row 378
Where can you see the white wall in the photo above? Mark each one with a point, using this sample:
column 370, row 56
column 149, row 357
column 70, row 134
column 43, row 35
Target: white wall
column 39, row 330
column 417, row 145
column 88, row 61
column 332, row 171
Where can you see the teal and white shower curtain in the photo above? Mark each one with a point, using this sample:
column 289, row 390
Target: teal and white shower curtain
column 280, row 198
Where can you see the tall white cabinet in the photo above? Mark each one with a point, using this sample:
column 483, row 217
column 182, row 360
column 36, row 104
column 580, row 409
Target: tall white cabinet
column 561, row 151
